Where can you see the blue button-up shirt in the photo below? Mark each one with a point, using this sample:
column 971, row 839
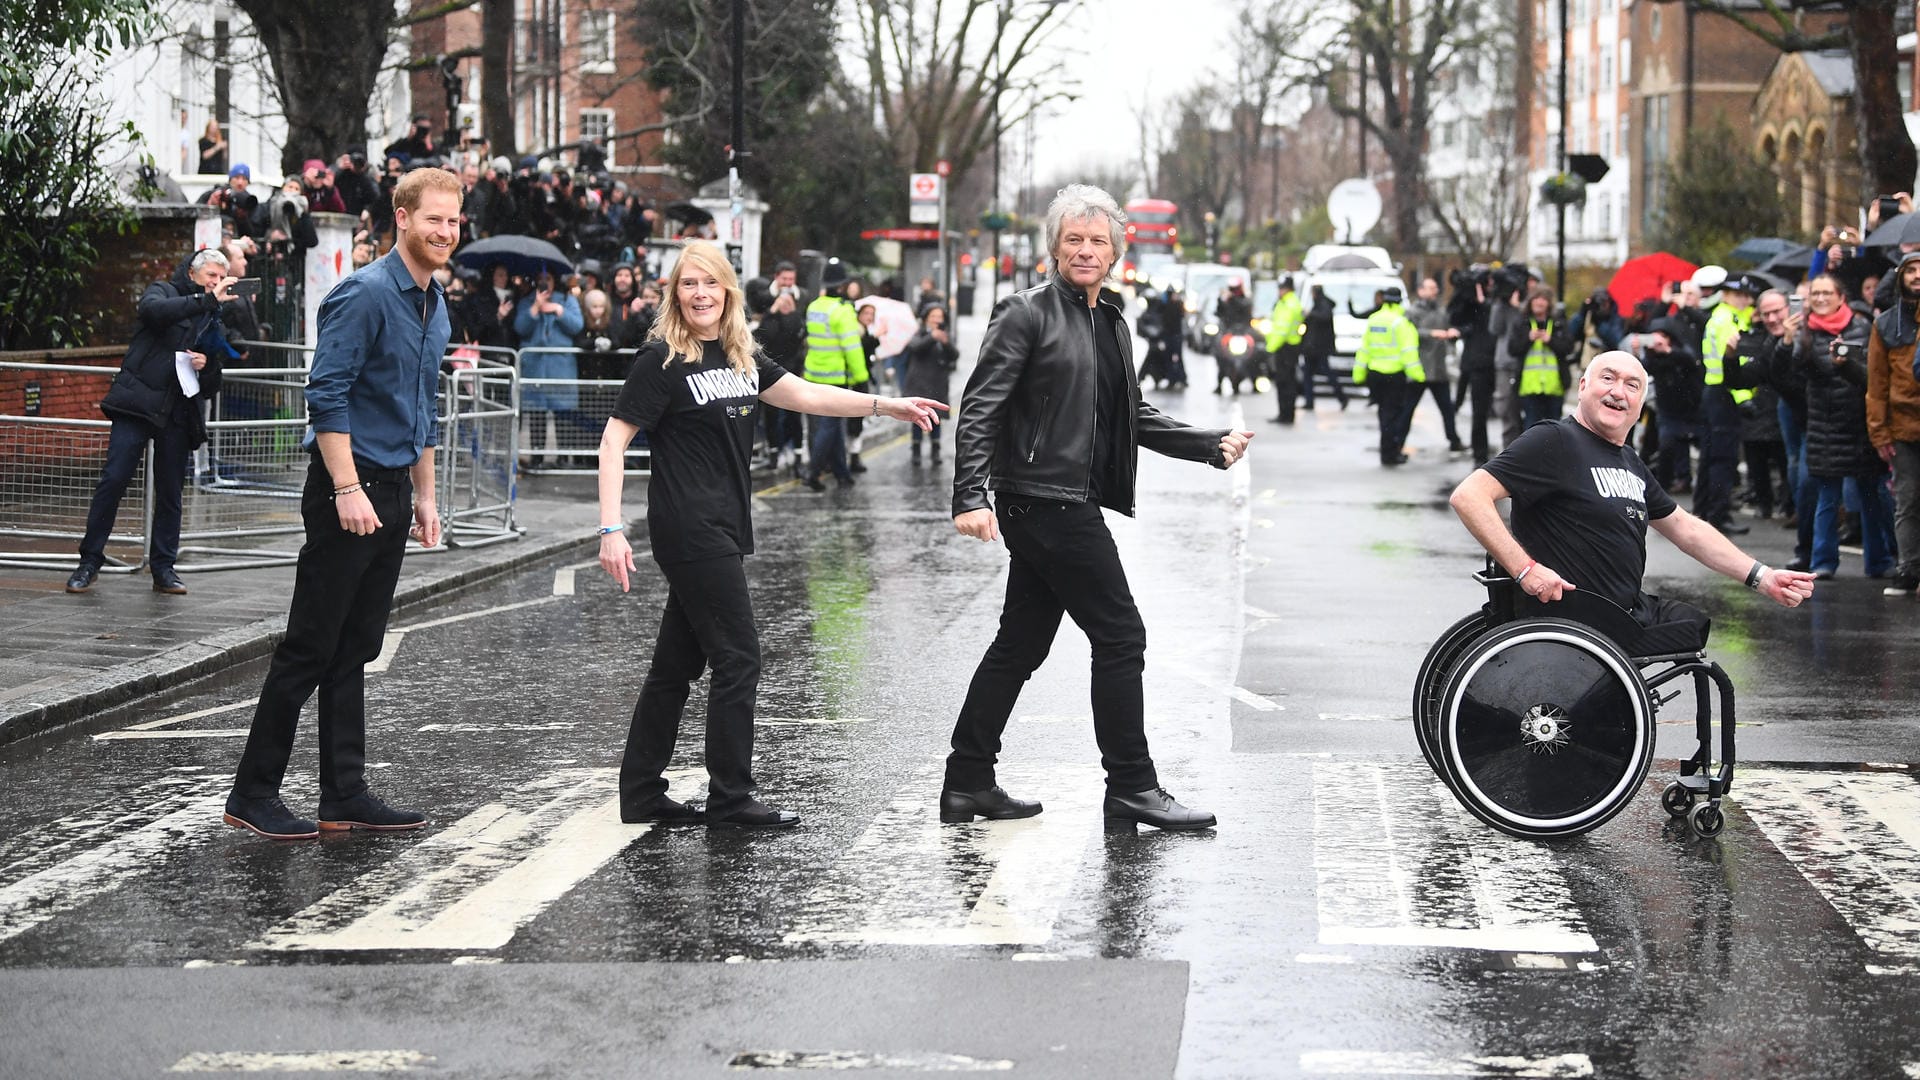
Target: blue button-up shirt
column 376, row 368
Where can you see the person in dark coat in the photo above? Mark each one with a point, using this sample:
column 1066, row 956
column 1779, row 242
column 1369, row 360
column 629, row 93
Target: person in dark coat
column 1677, row 382
column 1316, row 345
column 148, row 404
column 1760, row 435
column 1832, row 351
column 931, row 359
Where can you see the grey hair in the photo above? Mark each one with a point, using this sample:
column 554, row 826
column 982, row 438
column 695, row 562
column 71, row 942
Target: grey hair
column 204, row 257
column 1770, row 292
column 1076, row 202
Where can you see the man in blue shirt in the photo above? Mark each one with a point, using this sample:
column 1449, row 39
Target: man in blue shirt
column 370, row 400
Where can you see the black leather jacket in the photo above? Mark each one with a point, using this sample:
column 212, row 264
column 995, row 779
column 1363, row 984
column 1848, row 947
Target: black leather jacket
column 1026, row 423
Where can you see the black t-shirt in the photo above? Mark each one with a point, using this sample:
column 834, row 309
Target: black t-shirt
column 1111, row 373
column 699, row 420
column 1581, row 506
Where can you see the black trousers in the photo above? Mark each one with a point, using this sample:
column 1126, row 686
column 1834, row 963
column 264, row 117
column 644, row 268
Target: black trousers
column 126, row 443
column 1719, row 459
column 1064, row 562
column 1442, row 392
column 708, row 621
column 1286, row 381
column 1478, row 386
column 1315, row 366
column 1395, row 398
column 1763, row 459
column 342, row 595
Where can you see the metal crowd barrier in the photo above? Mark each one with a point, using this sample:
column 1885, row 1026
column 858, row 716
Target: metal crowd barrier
column 562, row 419
column 241, row 501
column 48, row 469
column 478, row 458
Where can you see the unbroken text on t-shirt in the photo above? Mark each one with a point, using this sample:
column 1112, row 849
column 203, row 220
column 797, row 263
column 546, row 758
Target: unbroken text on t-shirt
column 699, row 421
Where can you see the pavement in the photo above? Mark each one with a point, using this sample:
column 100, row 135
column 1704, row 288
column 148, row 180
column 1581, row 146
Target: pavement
column 65, row 657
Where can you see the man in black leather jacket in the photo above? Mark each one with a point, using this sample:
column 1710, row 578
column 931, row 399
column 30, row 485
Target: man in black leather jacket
column 1051, row 421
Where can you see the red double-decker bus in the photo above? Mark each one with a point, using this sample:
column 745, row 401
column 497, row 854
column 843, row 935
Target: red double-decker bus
column 1152, row 237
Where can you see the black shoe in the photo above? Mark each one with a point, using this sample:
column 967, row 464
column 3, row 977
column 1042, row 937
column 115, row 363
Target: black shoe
column 1796, row 565
column 936, row 453
column 843, row 482
column 1397, row 459
column 268, row 817
column 754, row 816
column 168, row 581
column 1156, row 808
column 916, row 457
column 853, row 463
column 1456, row 447
column 1903, row 584
column 83, row 578
column 666, row 811
column 994, row 804
column 366, row 811
column 813, row 484
column 1343, row 404
column 1732, row 528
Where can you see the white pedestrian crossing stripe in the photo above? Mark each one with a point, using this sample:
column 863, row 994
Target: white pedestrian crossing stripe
column 1420, row 1063
column 1855, row 836
column 1399, row 863
column 473, row 885
column 54, row 869
column 909, row 880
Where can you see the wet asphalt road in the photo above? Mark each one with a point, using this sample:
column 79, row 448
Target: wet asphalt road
column 1345, row 919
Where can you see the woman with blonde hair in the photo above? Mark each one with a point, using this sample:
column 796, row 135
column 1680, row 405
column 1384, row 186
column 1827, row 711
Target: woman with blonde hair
column 694, row 389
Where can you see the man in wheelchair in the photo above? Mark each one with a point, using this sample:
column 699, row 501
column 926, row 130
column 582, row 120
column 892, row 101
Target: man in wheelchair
column 1541, row 720
column 1582, row 501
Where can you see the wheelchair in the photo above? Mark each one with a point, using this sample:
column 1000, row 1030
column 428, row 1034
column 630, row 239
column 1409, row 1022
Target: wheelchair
column 1540, row 717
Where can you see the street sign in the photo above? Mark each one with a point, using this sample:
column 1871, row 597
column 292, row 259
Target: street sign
column 943, row 167
column 923, row 194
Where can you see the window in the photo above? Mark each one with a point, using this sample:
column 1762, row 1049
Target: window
column 1579, row 80
column 598, row 124
column 1622, row 144
column 1606, row 67
column 1626, row 61
column 1606, row 140
column 1653, row 155
column 1653, row 25
column 596, row 42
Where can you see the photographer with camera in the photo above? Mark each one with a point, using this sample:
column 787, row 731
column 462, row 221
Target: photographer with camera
column 235, row 202
column 781, row 330
column 357, row 190
column 1468, row 311
column 1832, row 351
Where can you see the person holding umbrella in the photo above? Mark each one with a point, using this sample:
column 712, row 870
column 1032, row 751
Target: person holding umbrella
column 1900, row 231
column 694, row 389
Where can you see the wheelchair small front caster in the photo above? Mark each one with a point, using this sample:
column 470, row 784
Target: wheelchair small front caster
column 1706, row 820
column 1677, row 800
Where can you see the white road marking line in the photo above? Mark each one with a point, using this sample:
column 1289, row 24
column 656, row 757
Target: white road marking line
column 482, row 729
column 167, row 721
column 1855, row 837
column 1399, row 863
column 136, row 843
column 192, row 733
column 472, row 886
column 1421, row 1063
column 449, row 620
column 389, row 648
column 1248, row 697
column 318, row 1061
column 789, row 721
column 1359, row 717
column 909, row 880
column 563, row 581
column 850, row 1060
column 1912, row 1069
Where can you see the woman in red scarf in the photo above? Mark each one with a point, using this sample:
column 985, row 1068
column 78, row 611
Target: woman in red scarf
column 1832, row 351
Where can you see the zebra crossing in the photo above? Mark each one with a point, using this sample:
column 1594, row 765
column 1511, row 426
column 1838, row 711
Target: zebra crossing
column 1395, row 864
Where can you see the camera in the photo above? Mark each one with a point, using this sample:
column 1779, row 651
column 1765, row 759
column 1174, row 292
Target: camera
column 1843, row 351
column 1888, row 206
column 246, row 287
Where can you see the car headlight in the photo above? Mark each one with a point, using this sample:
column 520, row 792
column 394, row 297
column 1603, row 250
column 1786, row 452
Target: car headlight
column 1212, row 329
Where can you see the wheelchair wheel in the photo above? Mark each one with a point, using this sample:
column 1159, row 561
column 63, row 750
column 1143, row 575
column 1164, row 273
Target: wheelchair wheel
column 1545, row 728
column 1432, row 677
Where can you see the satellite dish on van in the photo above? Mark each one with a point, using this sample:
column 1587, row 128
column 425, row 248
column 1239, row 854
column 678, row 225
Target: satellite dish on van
column 1354, row 207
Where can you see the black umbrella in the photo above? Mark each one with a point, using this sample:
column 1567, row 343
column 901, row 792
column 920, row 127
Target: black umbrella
column 1758, row 249
column 524, row 256
column 1792, row 265
column 686, row 211
column 1896, row 230
column 1773, row 281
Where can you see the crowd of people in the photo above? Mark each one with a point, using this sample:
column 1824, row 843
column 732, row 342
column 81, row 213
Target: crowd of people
column 1794, row 401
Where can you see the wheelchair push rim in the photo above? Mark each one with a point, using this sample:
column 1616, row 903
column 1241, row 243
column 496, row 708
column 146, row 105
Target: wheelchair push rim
column 1432, row 678
column 1545, row 729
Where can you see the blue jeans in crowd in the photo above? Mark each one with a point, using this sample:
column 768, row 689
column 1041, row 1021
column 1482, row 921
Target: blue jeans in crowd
column 1806, row 494
column 1876, row 525
column 829, row 447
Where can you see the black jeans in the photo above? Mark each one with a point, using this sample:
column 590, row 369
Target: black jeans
column 1286, row 381
column 708, row 620
column 1719, row 459
column 342, row 595
column 1315, row 366
column 125, row 445
column 1064, row 562
column 1478, row 384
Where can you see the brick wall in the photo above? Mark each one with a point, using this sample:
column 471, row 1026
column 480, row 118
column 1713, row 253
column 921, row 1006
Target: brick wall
column 129, row 263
